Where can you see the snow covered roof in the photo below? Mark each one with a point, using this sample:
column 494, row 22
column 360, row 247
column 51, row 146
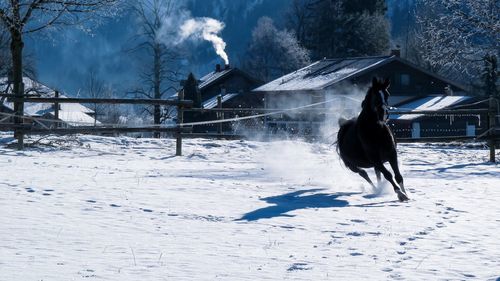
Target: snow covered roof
column 323, row 74
column 212, row 102
column 328, row 72
column 214, row 76
column 428, row 103
column 69, row 112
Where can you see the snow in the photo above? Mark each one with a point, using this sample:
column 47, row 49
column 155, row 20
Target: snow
column 429, row 103
column 102, row 208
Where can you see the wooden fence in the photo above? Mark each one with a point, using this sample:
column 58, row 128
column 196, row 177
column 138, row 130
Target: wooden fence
column 182, row 130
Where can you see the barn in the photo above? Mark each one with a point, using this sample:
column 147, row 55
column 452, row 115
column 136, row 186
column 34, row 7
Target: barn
column 69, row 114
column 339, row 85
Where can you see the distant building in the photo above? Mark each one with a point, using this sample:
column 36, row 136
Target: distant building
column 231, row 85
column 70, row 114
column 340, row 85
column 416, row 126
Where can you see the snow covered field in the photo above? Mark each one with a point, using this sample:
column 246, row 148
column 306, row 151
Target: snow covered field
column 98, row 208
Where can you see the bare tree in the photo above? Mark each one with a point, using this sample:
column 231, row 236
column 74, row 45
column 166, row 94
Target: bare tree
column 22, row 17
column 272, row 52
column 95, row 88
column 457, row 35
column 160, row 74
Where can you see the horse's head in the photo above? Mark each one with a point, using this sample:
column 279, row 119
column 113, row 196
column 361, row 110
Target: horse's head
column 376, row 99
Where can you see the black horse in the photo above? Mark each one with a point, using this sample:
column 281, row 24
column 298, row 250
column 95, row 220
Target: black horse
column 367, row 141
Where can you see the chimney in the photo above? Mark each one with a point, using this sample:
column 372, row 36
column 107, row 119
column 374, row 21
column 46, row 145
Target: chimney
column 227, row 67
column 217, row 68
column 396, row 52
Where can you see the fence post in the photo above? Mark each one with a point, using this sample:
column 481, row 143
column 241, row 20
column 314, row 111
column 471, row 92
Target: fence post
column 56, row 110
column 220, row 115
column 180, row 120
column 492, row 124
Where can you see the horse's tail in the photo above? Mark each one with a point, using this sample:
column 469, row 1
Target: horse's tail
column 344, row 124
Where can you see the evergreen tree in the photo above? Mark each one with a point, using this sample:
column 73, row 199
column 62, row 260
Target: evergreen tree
column 340, row 28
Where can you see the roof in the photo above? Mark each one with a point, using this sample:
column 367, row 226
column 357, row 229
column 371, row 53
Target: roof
column 69, row 112
column 215, row 76
column 428, row 103
column 328, row 72
column 212, row 102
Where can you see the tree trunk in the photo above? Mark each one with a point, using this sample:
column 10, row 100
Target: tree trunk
column 157, row 85
column 16, row 47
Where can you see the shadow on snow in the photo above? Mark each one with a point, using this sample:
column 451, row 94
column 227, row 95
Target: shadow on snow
column 297, row 200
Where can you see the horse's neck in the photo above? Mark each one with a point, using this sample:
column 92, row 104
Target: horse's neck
column 367, row 116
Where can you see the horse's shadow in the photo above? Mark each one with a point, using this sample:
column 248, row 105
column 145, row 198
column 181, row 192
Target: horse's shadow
column 303, row 199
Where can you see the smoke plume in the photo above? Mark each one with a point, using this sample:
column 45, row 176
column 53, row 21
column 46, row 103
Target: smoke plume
column 207, row 29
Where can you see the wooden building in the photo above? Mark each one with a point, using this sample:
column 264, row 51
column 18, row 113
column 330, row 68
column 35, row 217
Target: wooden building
column 225, row 87
column 339, row 85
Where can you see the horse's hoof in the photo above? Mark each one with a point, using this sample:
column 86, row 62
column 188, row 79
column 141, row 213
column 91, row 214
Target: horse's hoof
column 402, row 197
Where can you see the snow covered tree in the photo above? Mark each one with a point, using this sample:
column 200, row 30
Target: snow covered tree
column 159, row 75
column 22, row 17
column 456, row 35
column 273, row 52
column 339, row 28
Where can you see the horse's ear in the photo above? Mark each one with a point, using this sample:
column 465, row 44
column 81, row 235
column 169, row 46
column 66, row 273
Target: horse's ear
column 387, row 83
column 374, row 81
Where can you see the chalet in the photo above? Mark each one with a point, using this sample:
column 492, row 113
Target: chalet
column 340, row 84
column 70, row 114
column 225, row 87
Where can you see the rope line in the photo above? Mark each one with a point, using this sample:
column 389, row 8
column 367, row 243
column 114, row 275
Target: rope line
column 258, row 115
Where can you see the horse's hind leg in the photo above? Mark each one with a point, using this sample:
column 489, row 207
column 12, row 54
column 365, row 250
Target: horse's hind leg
column 377, row 173
column 362, row 173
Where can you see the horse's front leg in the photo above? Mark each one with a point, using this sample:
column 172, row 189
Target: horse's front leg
column 378, row 165
column 393, row 160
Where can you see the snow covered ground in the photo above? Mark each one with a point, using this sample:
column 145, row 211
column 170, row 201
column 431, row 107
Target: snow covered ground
column 99, row 208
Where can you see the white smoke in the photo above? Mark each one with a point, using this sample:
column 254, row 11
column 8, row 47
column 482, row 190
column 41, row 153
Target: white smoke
column 207, row 29
column 183, row 27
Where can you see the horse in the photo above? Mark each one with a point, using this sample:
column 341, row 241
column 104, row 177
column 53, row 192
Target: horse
column 368, row 142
